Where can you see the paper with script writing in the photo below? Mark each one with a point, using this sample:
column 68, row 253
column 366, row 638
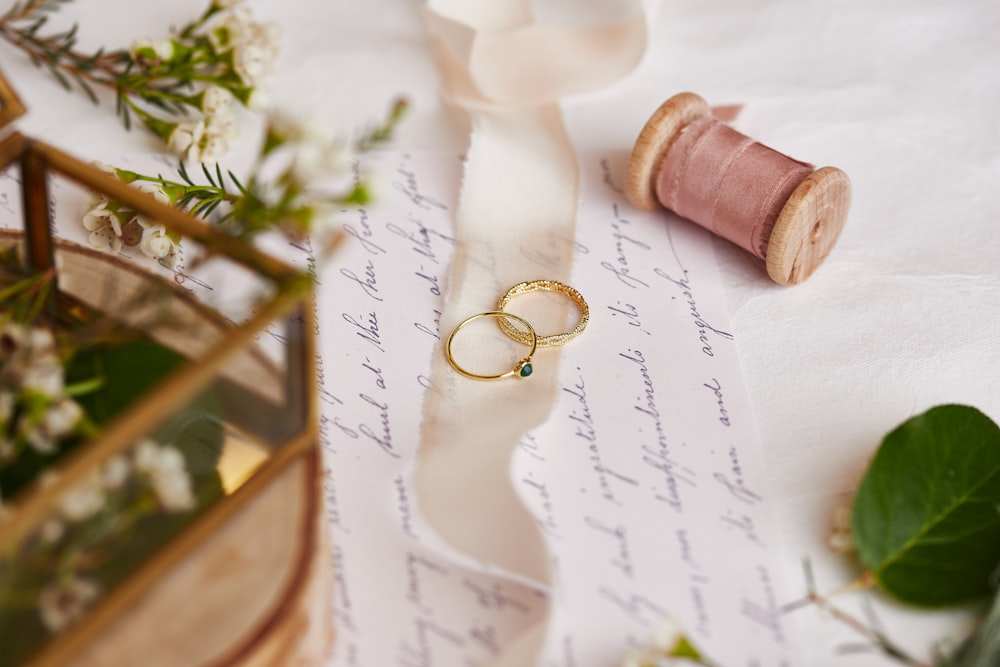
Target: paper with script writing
column 646, row 480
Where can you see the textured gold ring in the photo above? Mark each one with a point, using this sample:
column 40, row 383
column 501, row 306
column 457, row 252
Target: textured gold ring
column 522, row 368
column 553, row 340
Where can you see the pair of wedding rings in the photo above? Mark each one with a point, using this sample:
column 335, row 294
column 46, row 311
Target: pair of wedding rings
column 520, row 330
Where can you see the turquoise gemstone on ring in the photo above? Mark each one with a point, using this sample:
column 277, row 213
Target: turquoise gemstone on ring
column 525, row 369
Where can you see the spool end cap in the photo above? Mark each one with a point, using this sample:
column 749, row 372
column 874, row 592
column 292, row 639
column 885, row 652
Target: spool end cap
column 808, row 226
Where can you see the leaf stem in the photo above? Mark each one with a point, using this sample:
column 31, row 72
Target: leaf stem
column 866, row 580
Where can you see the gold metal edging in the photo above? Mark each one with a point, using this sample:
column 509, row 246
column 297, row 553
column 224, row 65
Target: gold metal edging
column 212, row 239
column 11, row 148
column 304, row 568
column 11, row 107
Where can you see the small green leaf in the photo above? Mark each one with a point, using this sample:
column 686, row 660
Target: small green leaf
column 926, row 517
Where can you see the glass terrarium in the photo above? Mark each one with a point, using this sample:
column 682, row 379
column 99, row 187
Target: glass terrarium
column 137, row 415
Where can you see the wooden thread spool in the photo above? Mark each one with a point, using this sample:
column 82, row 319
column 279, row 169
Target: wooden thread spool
column 793, row 239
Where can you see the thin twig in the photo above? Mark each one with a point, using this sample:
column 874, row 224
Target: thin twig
column 877, row 638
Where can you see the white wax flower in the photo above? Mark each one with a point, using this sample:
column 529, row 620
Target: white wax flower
column 668, row 636
column 230, row 29
column 105, row 167
column 65, row 600
column 167, row 473
column 161, row 49
column 221, row 124
column 155, row 190
column 61, row 418
column 213, row 148
column 106, row 240
column 52, row 531
column 37, row 439
column 83, row 500
column 185, row 140
column 215, row 100
column 155, row 244
column 43, row 376
column 260, row 99
column 115, row 472
column 99, row 217
column 252, row 62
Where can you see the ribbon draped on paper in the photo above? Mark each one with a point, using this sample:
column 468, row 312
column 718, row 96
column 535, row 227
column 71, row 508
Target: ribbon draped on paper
column 515, row 222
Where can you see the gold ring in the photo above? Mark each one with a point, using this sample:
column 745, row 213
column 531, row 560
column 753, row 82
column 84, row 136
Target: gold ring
column 522, row 368
column 553, row 340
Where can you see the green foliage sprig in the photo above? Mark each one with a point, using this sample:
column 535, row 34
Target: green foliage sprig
column 278, row 194
column 925, row 524
column 192, row 75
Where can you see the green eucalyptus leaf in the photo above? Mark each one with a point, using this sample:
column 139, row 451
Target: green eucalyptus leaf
column 926, row 517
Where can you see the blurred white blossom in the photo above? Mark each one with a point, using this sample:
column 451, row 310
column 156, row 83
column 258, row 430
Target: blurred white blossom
column 83, row 500
column 34, row 408
column 161, row 50
column 64, row 601
column 167, row 473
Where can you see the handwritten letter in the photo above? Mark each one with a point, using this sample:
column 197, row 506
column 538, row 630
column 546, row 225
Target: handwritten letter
column 654, row 499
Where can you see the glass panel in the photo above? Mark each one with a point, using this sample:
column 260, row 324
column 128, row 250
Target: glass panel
column 11, row 209
column 115, row 518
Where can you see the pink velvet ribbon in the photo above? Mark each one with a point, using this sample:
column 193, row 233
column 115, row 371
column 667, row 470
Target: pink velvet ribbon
column 728, row 183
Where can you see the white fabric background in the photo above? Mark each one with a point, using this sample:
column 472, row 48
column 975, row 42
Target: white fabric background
column 904, row 96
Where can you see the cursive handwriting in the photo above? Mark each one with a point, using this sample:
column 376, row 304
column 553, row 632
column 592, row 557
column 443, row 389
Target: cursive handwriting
column 547, row 520
column 715, row 387
column 404, row 508
column 766, row 615
column 704, row 328
column 659, row 456
column 622, row 560
column 416, row 565
column 368, row 284
column 422, row 239
column 367, row 329
column 410, row 188
column 364, row 234
column 584, row 423
column 384, row 437
column 621, row 267
column 630, row 314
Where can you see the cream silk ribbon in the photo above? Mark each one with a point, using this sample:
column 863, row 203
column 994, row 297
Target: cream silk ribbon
column 515, row 221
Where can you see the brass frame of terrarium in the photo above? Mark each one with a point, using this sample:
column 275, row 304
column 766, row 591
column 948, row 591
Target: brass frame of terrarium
column 293, row 298
column 10, row 105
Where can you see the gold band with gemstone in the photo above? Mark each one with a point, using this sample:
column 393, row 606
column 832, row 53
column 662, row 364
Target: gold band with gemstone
column 554, row 340
column 522, row 368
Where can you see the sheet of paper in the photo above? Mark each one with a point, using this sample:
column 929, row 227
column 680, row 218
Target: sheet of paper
column 646, row 480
